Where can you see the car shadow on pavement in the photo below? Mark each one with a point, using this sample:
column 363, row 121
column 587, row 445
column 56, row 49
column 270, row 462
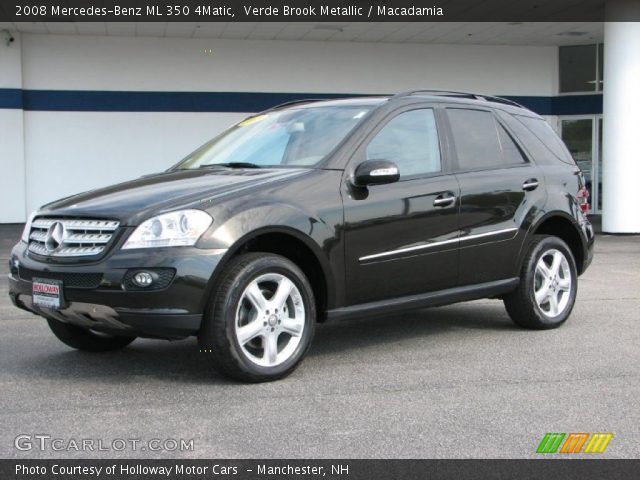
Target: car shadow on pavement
column 183, row 362
column 427, row 324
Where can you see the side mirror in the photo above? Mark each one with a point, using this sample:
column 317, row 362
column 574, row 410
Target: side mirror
column 376, row 172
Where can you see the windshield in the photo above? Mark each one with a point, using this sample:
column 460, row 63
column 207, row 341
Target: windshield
column 292, row 137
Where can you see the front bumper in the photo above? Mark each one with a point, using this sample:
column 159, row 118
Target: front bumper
column 109, row 304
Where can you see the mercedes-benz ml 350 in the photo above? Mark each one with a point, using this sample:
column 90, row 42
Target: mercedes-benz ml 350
column 315, row 211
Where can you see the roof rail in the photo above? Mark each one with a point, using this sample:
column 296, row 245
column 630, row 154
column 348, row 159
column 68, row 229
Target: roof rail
column 341, row 96
column 294, row 102
column 450, row 93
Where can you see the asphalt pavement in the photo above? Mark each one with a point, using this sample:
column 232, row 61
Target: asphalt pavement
column 452, row 382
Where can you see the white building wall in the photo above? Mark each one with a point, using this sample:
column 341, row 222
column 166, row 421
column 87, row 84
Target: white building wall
column 12, row 159
column 122, row 63
column 69, row 152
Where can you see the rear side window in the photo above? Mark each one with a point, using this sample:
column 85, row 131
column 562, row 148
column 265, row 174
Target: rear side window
column 548, row 137
column 410, row 140
column 481, row 142
column 510, row 151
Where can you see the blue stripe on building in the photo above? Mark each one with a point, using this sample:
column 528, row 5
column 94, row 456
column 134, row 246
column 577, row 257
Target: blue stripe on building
column 577, row 105
column 237, row 102
column 10, row 98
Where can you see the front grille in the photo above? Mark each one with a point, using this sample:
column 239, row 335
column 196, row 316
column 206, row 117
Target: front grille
column 56, row 237
column 71, row 280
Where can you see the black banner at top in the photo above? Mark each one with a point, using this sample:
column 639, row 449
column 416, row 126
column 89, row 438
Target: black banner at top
column 316, row 10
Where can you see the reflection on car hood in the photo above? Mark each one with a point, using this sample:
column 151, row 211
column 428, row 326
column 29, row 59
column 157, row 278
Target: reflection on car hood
column 133, row 201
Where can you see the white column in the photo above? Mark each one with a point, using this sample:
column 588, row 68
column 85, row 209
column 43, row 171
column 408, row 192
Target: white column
column 621, row 116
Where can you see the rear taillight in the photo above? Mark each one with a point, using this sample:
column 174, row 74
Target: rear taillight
column 583, row 200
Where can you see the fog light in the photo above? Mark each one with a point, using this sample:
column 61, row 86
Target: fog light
column 143, row 279
column 14, row 265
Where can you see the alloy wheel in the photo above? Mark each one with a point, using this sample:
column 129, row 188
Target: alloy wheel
column 552, row 284
column 270, row 320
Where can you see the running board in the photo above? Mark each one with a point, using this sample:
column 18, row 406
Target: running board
column 423, row 300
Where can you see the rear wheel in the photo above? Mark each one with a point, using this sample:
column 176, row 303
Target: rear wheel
column 85, row 339
column 261, row 319
column 548, row 285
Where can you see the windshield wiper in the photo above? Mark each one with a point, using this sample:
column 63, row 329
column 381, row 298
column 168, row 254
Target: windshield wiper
column 231, row 165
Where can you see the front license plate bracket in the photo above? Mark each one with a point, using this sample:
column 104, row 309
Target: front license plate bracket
column 48, row 293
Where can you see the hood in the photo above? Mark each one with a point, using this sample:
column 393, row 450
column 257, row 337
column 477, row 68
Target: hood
column 134, row 201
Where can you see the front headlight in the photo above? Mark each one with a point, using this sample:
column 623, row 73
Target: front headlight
column 181, row 228
column 27, row 227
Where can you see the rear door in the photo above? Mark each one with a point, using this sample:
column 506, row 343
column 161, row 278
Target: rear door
column 401, row 238
column 499, row 188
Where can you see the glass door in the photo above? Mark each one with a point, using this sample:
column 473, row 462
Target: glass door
column 582, row 136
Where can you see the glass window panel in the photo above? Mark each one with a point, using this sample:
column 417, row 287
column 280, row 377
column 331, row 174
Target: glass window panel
column 476, row 138
column 601, row 65
column 294, row 136
column 578, row 136
column 510, row 151
column 540, row 153
column 578, row 68
column 542, row 130
column 480, row 141
column 410, row 140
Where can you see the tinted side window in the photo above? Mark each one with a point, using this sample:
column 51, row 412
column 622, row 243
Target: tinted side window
column 411, row 141
column 510, row 151
column 480, row 141
column 541, row 154
column 548, row 137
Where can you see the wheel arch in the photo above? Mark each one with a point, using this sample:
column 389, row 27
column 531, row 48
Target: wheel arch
column 297, row 247
column 565, row 227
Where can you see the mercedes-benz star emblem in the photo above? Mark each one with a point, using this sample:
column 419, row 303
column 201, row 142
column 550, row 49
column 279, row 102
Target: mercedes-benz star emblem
column 54, row 237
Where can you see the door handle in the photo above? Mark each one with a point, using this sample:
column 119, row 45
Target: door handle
column 444, row 200
column 530, row 184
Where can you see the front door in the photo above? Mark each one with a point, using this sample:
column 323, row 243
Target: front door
column 401, row 238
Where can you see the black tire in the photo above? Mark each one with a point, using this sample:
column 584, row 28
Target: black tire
column 521, row 304
column 86, row 340
column 218, row 337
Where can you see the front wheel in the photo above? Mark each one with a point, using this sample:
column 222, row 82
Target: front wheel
column 261, row 320
column 548, row 285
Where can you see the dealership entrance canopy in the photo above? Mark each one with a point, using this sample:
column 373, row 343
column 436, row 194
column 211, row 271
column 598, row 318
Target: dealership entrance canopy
column 88, row 104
